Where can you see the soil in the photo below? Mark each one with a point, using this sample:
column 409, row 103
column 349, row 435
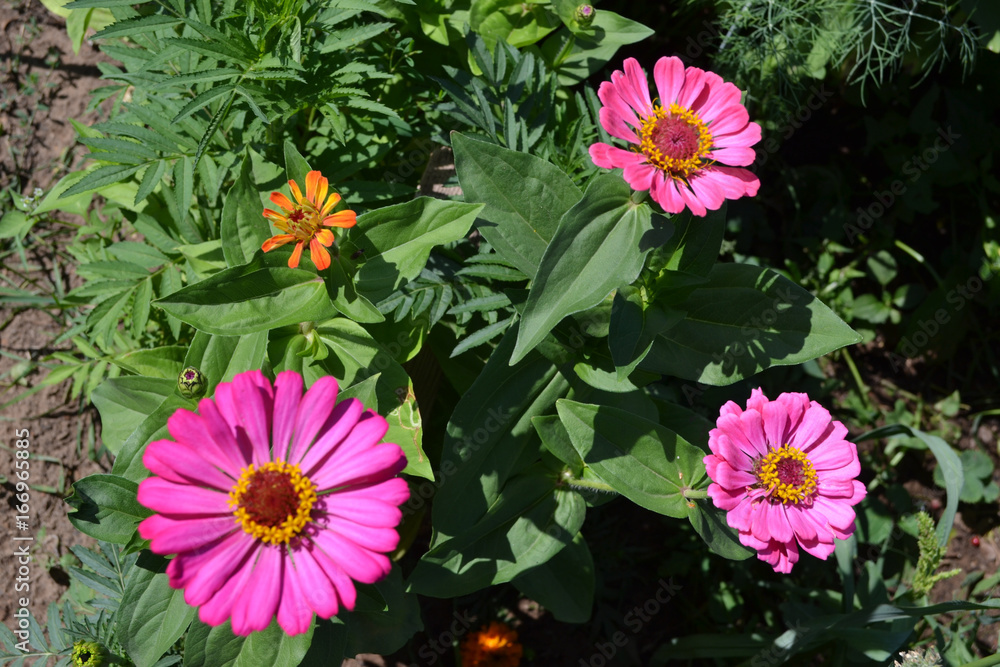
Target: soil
column 43, row 84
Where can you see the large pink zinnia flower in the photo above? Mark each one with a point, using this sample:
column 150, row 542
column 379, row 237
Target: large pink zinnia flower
column 273, row 502
column 682, row 142
column 785, row 476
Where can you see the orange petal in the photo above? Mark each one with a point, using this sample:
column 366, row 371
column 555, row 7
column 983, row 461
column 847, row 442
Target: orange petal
column 296, row 192
column 346, row 218
column 276, row 242
column 325, row 236
column 293, row 261
column 274, row 215
column 320, row 257
column 312, row 181
column 333, row 201
column 282, row 201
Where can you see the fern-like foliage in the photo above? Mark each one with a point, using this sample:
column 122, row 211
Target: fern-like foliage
column 480, row 312
column 514, row 104
column 780, row 45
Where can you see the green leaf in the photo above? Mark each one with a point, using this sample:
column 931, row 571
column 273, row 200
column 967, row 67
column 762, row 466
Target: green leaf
column 563, row 585
column 99, row 178
column 255, row 297
column 397, row 240
column 296, row 167
column 340, row 288
column 125, row 402
column 600, row 244
column 207, row 646
column 128, row 462
column 488, row 432
column 152, row 616
column 220, row 358
column 357, row 356
column 244, row 227
column 165, row 362
column 136, row 26
column 105, row 507
column 948, row 461
column 647, row 463
column 694, row 247
column 103, row 319
column 382, row 625
column 710, row 523
column 743, row 320
column 594, row 46
column 201, row 100
column 525, row 197
column 15, row 223
column 530, row 522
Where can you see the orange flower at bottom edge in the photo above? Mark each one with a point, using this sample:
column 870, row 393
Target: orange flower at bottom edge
column 303, row 220
column 493, row 646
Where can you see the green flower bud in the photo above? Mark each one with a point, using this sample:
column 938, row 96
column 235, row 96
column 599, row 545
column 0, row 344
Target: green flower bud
column 585, row 15
column 191, row 383
column 87, row 654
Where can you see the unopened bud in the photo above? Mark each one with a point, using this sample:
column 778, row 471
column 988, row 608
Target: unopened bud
column 585, row 15
column 87, row 654
column 191, row 383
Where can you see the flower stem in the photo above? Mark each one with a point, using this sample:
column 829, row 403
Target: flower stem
column 586, row 483
column 695, row 494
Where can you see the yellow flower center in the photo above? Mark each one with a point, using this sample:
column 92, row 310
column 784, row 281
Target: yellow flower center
column 787, row 475
column 675, row 140
column 302, row 223
column 273, row 502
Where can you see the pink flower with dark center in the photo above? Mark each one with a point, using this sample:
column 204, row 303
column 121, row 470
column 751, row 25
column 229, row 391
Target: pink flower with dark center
column 785, row 476
column 275, row 502
column 687, row 144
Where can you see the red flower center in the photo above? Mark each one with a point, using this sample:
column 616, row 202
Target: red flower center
column 270, row 498
column 791, row 472
column 296, row 215
column 675, row 138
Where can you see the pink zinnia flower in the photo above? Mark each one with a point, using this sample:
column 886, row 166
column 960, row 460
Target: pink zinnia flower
column 273, row 502
column 686, row 144
column 784, row 473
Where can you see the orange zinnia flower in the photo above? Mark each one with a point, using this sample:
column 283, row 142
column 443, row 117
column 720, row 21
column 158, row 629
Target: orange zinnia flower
column 302, row 221
column 493, row 646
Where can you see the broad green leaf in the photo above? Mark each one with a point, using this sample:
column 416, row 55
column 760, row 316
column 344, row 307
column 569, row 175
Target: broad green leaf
column 137, row 26
column 207, row 646
column 205, row 259
column 525, row 197
column 710, row 524
column 488, row 431
column 250, row 298
column 103, row 320
column 152, row 616
column 743, row 320
column 530, row 522
column 128, row 462
column 519, row 23
column 556, row 440
column 15, row 223
column 296, row 166
column 600, row 244
column 105, row 507
column 563, row 585
column 244, row 227
column 694, row 248
column 397, row 240
column 165, row 362
column 635, row 323
column 384, row 625
column 340, row 288
column 647, row 463
column 948, row 461
column 57, row 199
column 125, row 402
column 594, row 46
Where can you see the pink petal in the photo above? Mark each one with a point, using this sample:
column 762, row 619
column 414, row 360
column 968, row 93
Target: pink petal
column 608, row 94
column 287, row 396
column 346, row 592
column 732, row 427
column 741, row 138
column 179, row 463
column 734, row 157
column 359, row 564
column 221, row 432
column 258, row 601
column 691, row 201
column 343, row 420
column 757, row 400
column 168, row 498
column 294, row 613
column 721, row 96
column 664, row 192
column 615, row 125
column 170, row 536
column 254, row 402
column 708, row 192
column 219, row 608
column 736, row 183
column 778, row 525
column 742, row 517
column 376, row 505
column 363, row 535
column 814, row 424
column 669, row 77
column 314, row 410
column 801, row 522
column 726, row 499
column 639, row 175
column 610, row 157
column 694, row 85
column 203, row 572
column 841, row 457
column 775, row 424
column 192, row 430
column 729, row 478
column 730, row 119
column 317, row 589
column 380, row 463
column 818, row 548
column 633, row 87
column 839, row 515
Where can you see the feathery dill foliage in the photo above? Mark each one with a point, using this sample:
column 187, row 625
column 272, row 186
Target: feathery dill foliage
column 777, row 46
